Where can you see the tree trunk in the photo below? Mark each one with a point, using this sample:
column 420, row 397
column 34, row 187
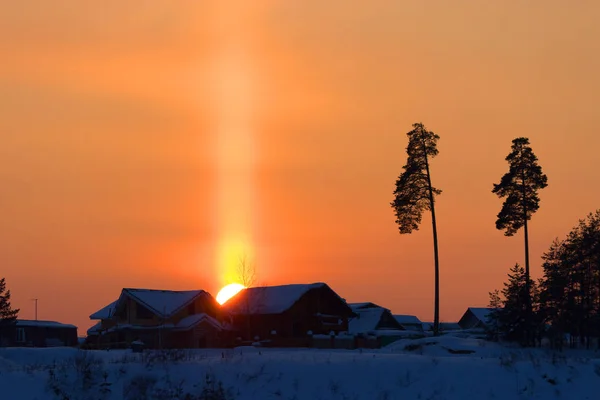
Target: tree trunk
column 528, row 310
column 436, row 306
column 436, row 313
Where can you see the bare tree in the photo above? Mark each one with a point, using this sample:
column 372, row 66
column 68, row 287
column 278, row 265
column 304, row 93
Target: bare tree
column 252, row 297
column 246, row 272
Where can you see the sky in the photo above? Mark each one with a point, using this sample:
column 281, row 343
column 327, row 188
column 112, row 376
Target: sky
column 150, row 144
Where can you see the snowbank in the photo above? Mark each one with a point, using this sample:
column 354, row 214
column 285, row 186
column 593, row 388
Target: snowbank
column 444, row 367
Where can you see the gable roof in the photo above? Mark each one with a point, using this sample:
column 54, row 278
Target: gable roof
column 95, row 329
column 105, row 312
column 194, row 319
column 268, row 299
column 368, row 320
column 163, row 303
column 407, row 319
column 481, row 313
column 360, row 306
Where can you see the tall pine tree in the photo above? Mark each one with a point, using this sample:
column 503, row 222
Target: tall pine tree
column 520, row 186
column 7, row 315
column 415, row 194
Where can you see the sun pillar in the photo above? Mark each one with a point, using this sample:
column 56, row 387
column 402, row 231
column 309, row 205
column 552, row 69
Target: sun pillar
column 234, row 103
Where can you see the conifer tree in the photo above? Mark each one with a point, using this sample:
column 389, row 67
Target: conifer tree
column 510, row 314
column 414, row 194
column 7, row 314
column 520, row 186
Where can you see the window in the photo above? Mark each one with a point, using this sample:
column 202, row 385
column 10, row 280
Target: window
column 20, row 335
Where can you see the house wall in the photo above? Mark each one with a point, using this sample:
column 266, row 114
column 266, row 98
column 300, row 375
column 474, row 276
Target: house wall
column 388, row 321
column 468, row 320
column 40, row 336
column 203, row 335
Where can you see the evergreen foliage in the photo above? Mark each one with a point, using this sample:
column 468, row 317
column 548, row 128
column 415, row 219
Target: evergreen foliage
column 570, row 289
column 8, row 315
column 520, row 186
column 509, row 317
column 414, row 194
column 566, row 301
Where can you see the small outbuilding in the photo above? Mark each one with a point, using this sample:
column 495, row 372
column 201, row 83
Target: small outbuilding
column 30, row 333
column 410, row 322
column 476, row 318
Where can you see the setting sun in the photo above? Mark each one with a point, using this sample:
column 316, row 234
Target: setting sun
column 228, row 292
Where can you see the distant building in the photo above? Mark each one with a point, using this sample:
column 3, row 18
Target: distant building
column 30, row 333
column 476, row 318
column 373, row 320
column 410, row 322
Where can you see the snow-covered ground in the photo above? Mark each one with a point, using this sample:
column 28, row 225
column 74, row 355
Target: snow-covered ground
column 449, row 367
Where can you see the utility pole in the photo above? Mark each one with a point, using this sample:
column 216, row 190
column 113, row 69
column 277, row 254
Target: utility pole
column 36, row 308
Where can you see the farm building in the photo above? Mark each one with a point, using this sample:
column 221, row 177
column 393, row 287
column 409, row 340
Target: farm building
column 30, row 333
column 287, row 315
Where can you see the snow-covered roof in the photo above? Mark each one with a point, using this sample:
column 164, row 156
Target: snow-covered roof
column 163, row 303
column 268, row 299
column 43, row 324
column 359, row 306
column 192, row 320
column 94, row 329
column 481, row 313
column 105, row 312
column 407, row 319
column 366, row 321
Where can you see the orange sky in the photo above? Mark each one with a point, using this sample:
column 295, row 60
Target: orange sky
column 140, row 140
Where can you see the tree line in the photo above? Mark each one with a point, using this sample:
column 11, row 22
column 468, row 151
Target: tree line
column 565, row 301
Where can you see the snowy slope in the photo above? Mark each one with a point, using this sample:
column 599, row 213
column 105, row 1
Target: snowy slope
column 431, row 368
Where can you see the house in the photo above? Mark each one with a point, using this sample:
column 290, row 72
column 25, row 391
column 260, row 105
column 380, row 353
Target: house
column 476, row 318
column 158, row 318
column 377, row 322
column 371, row 320
column 409, row 322
column 287, row 315
column 34, row 333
